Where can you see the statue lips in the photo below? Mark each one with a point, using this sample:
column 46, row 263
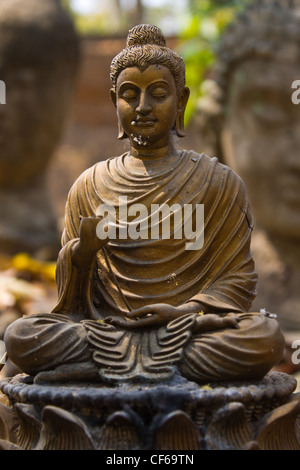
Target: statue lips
column 146, row 122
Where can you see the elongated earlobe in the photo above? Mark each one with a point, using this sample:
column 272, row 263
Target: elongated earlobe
column 121, row 132
column 179, row 123
column 182, row 102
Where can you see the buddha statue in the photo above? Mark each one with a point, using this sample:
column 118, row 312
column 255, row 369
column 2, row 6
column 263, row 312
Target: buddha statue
column 257, row 65
column 138, row 307
column 39, row 54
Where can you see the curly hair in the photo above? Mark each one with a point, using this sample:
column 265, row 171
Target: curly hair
column 146, row 46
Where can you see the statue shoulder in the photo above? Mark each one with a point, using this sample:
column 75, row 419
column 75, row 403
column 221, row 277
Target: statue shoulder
column 235, row 190
column 88, row 174
column 235, row 183
column 217, row 169
column 230, row 177
column 220, row 177
column 88, row 179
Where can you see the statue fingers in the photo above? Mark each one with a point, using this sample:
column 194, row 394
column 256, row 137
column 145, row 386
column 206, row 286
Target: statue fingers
column 120, row 322
column 150, row 320
column 140, row 312
column 129, row 324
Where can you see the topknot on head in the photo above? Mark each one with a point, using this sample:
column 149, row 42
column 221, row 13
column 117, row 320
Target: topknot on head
column 146, row 45
column 144, row 34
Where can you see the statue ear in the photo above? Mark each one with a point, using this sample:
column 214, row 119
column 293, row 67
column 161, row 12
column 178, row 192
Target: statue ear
column 181, row 105
column 121, row 133
column 113, row 96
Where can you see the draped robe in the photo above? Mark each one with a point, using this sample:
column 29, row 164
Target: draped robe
column 128, row 274
column 220, row 275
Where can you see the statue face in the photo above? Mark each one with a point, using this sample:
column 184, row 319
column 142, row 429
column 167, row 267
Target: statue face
column 263, row 125
column 146, row 103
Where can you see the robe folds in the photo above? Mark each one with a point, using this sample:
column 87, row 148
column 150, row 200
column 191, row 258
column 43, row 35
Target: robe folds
column 220, row 275
column 131, row 273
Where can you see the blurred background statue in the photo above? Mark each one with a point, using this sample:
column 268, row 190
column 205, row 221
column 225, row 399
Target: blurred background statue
column 39, row 53
column 258, row 60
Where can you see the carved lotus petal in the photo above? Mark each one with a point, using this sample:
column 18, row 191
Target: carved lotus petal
column 62, row 430
column 30, row 425
column 280, row 429
column 119, row 432
column 6, row 445
column 176, row 431
column 8, row 424
column 229, row 429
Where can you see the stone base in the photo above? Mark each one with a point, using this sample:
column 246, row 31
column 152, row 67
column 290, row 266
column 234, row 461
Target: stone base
column 177, row 415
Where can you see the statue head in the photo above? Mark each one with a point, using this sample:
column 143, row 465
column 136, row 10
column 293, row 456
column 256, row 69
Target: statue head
column 38, row 61
column 258, row 62
column 146, row 47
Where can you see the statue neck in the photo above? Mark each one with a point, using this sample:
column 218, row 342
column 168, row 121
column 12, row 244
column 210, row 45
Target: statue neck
column 156, row 160
column 152, row 153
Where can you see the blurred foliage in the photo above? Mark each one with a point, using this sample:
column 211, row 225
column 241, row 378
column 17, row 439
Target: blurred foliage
column 67, row 6
column 199, row 40
column 90, row 24
column 23, row 263
column 111, row 19
column 27, row 285
column 86, row 24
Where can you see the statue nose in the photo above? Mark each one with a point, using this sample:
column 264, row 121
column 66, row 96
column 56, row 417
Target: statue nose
column 144, row 105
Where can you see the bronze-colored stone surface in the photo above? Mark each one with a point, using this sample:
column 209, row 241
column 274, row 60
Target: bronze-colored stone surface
column 151, row 345
column 178, row 415
column 134, row 309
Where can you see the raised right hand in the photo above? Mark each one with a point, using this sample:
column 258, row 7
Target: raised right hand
column 89, row 243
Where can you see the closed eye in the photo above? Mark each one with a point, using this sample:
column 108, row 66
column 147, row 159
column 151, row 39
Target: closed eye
column 159, row 93
column 129, row 94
